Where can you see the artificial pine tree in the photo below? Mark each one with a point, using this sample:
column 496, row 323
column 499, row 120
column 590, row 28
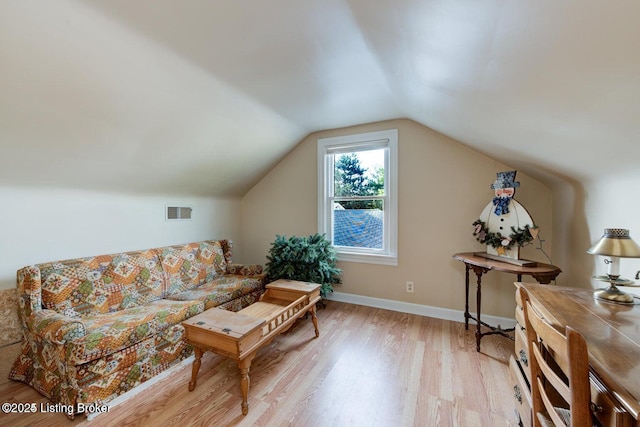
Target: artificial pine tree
column 308, row 259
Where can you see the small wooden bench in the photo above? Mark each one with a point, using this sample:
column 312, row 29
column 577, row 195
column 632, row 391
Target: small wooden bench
column 239, row 335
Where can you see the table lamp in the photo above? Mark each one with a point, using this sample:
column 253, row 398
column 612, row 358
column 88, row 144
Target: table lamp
column 616, row 244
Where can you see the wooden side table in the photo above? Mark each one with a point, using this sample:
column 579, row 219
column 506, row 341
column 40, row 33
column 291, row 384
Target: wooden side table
column 239, row 335
column 543, row 273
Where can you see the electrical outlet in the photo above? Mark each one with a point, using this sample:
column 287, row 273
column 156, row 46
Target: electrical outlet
column 410, row 287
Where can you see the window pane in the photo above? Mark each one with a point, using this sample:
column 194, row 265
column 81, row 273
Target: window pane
column 358, row 223
column 359, row 173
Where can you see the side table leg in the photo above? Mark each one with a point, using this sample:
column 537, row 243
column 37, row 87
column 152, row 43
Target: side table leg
column 195, row 368
column 479, row 272
column 478, row 305
column 314, row 319
column 466, row 293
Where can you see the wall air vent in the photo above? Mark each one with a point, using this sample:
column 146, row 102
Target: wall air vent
column 178, row 213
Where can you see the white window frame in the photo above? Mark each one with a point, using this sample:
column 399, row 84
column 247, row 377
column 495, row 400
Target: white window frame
column 327, row 149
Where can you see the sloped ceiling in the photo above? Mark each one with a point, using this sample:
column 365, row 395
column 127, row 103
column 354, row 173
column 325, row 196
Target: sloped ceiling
column 204, row 97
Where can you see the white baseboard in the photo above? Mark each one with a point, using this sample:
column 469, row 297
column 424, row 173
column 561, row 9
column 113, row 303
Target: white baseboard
column 144, row 386
column 419, row 309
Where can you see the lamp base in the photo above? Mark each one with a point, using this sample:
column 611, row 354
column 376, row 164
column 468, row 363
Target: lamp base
column 613, row 294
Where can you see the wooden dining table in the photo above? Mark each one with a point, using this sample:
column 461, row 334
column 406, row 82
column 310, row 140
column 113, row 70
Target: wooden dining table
column 612, row 333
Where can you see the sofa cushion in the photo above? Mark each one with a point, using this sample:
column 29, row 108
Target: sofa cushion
column 191, row 265
column 221, row 290
column 212, row 254
column 111, row 332
column 160, row 348
column 102, row 284
column 157, row 356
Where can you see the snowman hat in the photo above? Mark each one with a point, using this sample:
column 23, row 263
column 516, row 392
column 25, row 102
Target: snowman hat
column 506, row 179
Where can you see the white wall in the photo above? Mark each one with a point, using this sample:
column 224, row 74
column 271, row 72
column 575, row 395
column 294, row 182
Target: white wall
column 39, row 225
column 444, row 186
column 612, row 202
column 570, row 236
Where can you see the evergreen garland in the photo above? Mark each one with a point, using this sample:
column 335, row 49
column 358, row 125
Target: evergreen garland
column 519, row 237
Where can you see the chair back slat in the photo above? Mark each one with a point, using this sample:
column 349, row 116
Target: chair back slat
column 554, row 380
column 551, row 411
column 559, row 370
column 555, row 342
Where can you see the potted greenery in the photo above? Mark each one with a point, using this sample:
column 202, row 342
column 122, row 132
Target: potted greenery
column 308, row 259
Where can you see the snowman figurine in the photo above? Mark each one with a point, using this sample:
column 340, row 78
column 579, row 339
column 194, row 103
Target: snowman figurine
column 503, row 213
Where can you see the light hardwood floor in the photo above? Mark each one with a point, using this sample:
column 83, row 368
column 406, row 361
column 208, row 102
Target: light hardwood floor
column 370, row 367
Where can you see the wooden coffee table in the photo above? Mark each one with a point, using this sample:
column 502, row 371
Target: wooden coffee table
column 239, row 335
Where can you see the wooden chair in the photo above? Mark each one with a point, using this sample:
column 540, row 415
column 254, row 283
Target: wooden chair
column 560, row 388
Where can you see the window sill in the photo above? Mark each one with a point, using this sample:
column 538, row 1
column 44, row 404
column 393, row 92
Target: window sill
column 368, row 258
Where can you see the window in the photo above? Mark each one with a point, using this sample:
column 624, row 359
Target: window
column 357, row 195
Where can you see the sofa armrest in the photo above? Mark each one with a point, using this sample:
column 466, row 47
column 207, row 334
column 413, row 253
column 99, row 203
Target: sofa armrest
column 54, row 327
column 29, row 292
column 245, row 269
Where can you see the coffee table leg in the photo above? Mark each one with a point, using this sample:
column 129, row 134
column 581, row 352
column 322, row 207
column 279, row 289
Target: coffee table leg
column 195, row 368
column 314, row 318
column 245, row 366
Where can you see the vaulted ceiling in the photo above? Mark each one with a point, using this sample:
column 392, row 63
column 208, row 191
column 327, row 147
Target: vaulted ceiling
column 204, row 97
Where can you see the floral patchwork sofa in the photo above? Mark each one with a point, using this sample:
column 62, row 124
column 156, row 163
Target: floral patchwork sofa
column 97, row 327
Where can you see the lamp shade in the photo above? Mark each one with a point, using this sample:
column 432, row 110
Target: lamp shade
column 616, row 242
